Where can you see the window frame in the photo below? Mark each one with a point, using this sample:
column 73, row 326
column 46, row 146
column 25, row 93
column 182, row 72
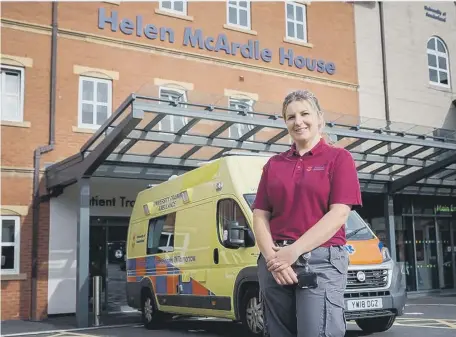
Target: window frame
column 238, row 9
column 248, row 244
column 171, row 118
column 437, row 54
column 94, row 103
column 21, row 71
column 164, row 231
column 172, row 10
column 239, row 127
column 16, row 244
column 295, row 22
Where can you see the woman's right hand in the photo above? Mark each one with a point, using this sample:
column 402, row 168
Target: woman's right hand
column 286, row 276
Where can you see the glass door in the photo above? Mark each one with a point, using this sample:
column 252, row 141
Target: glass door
column 97, row 259
column 405, row 251
column 453, row 244
column 427, row 266
column 117, row 231
column 108, row 237
column 446, row 247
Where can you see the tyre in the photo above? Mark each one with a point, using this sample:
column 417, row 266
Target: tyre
column 377, row 324
column 251, row 312
column 151, row 317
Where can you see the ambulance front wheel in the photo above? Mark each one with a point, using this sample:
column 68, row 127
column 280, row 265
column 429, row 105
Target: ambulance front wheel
column 252, row 311
column 376, row 324
column 151, row 317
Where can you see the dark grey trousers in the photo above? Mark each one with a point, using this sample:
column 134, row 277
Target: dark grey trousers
column 289, row 311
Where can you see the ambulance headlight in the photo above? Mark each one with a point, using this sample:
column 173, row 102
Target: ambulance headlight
column 386, row 254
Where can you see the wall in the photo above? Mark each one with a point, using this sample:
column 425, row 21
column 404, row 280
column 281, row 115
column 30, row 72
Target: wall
column 369, row 55
column 16, row 191
column 407, row 29
column 19, row 49
column 62, row 253
column 63, row 234
column 134, row 63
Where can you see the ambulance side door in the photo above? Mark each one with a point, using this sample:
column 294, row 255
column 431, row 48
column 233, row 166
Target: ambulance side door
column 228, row 260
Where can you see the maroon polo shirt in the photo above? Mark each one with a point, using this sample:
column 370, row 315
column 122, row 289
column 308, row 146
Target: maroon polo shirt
column 298, row 190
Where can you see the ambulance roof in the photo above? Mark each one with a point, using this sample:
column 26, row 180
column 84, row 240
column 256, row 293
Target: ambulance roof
column 237, row 173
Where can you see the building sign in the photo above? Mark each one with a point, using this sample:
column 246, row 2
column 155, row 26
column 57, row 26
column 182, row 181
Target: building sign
column 445, row 208
column 435, row 13
column 120, row 201
column 195, row 38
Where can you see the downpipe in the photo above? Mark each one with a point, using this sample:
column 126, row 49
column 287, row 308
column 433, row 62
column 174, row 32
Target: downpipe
column 384, row 63
column 39, row 151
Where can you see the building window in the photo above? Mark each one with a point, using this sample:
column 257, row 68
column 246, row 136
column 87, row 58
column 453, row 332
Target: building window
column 241, row 104
column 439, row 70
column 172, row 123
column 161, row 232
column 296, row 18
column 179, row 7
column 95, row 101
column 12, row 93
column 238, row 13
column 10, row 243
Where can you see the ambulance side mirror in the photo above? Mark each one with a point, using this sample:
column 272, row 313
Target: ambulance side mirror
column 236, row 234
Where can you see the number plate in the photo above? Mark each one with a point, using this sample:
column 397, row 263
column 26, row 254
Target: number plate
column 364, row 304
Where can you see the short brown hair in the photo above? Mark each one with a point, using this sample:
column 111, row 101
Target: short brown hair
column 302, row 95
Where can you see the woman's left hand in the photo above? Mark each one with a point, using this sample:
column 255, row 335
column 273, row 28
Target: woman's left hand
column 283, row 258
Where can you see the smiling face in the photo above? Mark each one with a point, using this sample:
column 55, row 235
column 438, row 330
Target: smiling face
column 303, row 121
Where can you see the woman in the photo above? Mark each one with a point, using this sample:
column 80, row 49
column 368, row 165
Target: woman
column 303, row 201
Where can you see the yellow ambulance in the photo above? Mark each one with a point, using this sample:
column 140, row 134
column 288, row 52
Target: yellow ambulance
column 191, row 251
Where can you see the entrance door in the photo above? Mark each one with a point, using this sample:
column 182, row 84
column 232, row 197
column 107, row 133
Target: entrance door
column 107, row 259
column 446, row 248
column 405, row 248
column 453, row 244
column 426, row 254
column 97, row 258
column 229, row 261
column 116, row 274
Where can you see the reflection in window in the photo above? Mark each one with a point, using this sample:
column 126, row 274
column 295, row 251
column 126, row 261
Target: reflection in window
column 161, row 232
column 439, row 70
column 229, row 211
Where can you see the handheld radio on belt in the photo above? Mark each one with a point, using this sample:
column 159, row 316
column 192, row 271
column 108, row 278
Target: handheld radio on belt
column 306, row 278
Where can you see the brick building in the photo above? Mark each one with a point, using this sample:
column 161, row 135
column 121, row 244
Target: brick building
column 66, row 68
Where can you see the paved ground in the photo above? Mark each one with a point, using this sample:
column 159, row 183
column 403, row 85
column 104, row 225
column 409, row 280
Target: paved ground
column 117, row 299
column 416, row 327
column 428, row 316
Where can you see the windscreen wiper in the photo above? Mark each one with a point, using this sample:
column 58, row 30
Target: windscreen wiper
column 356, row 231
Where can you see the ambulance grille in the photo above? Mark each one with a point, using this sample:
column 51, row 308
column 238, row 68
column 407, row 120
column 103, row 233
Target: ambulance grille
column 372, row 279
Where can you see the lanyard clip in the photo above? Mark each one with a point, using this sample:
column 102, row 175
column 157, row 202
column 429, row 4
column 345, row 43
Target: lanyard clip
column 303, row 260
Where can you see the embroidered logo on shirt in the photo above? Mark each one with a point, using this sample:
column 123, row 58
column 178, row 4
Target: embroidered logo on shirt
column 315, row 168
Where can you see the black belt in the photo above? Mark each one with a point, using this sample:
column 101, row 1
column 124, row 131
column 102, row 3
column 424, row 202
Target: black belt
column 282, row 243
